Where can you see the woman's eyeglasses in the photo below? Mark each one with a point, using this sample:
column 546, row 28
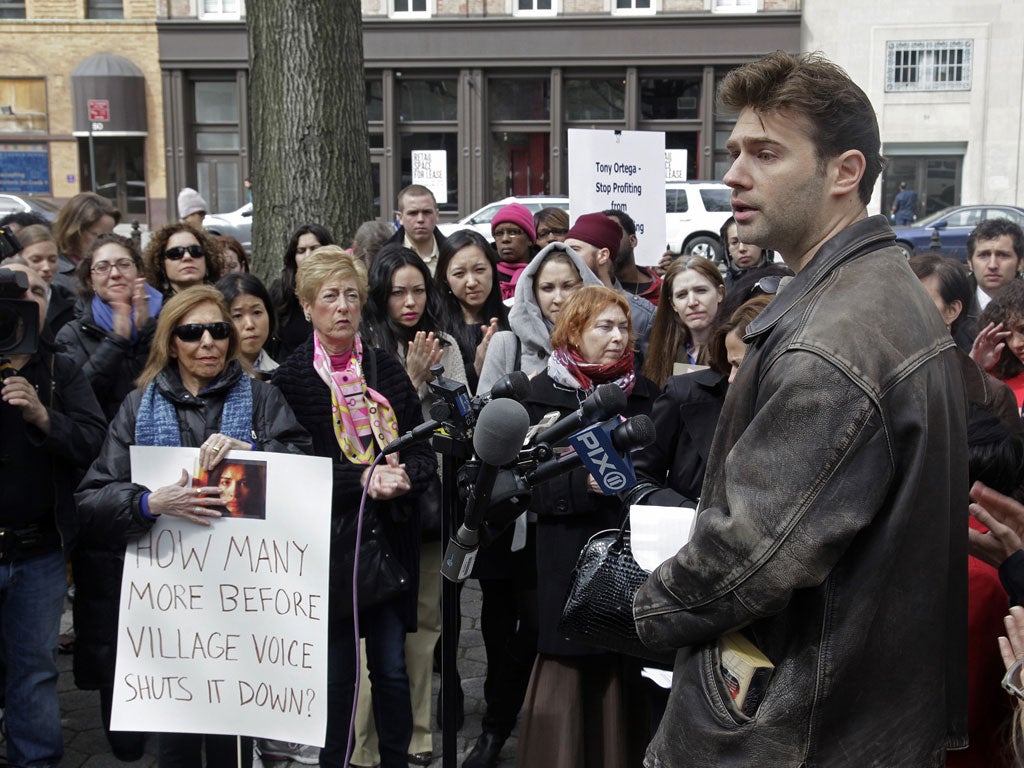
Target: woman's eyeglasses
column 176, row 254
column 509, row 233
column 103, row 267
column 194, row 331
column 542, row 233
column 1012, row 679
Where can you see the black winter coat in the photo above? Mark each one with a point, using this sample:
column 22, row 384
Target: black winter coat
column 110, row 362
column 685, row 417
column 110, row 504
column 310, row 398
column 568, row 514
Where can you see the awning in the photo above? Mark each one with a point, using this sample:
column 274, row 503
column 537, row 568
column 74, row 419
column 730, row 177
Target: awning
column 108, row 95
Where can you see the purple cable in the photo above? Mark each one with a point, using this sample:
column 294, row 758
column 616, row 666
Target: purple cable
column 355, row 609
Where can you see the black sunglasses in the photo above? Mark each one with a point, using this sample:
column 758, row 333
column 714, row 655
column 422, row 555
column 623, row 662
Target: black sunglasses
column 175, row 254
column 194, row 331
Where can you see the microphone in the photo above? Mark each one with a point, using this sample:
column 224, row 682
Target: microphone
column 497, row 438
column 512, row 386
column 423, row 432
column 604, row 402
column 629, row 435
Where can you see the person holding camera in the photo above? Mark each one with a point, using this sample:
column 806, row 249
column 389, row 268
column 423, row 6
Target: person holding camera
column 51, row 428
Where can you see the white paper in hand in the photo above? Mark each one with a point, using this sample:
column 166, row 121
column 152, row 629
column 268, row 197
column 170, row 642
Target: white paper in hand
column 657, row 533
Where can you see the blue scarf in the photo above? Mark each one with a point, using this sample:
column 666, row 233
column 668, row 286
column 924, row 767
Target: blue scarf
column 157, row 421
column 103, row 313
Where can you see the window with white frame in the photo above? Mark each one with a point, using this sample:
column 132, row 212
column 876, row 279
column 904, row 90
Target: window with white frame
column 221, row 9
column 534, row 8
column 411, row 9
column 928, row 65
column 633, row 7
column 733, row 6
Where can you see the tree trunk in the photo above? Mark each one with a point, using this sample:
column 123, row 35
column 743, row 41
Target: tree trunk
column 310, row 146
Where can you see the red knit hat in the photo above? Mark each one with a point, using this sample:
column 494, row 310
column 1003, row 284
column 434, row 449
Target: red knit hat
column 518, row 214
column 597, row 230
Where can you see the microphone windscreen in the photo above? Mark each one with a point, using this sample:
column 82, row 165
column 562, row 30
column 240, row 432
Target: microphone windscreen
column 609, row 399
column 518, row 386
column 640, row 432
column 500, row 429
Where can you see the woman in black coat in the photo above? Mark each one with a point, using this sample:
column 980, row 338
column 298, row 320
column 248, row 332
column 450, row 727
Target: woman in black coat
column 355, row 400
column 574, row 714
column 201, row 380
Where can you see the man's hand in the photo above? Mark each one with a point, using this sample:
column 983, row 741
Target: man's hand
column 1004, row 518
column 19, row 392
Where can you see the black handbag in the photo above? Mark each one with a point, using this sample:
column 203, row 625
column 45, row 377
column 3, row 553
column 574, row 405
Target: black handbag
column 381, row 576
column 599, row 606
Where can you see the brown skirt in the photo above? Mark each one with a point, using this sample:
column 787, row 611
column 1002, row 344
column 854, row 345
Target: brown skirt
column 574, row 715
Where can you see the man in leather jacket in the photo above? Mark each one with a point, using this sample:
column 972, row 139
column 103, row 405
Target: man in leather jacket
column 832, row 524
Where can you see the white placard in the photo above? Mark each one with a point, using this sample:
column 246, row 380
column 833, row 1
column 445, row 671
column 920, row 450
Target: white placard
column 223, row 629
column 623, row 170
column 675, row 164
column 430, row 169
column 658, row 533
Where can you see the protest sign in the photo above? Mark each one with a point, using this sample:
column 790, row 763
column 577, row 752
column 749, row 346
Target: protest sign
column 624, row 170
column 223, row 629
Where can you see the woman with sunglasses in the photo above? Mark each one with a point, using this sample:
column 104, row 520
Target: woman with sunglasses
column 690, row 295
column 193, row 392
column 179, row 257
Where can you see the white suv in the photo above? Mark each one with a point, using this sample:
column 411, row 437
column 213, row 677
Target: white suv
column 694, row 213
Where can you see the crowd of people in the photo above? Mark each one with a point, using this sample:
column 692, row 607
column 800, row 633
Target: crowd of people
column 832, row 419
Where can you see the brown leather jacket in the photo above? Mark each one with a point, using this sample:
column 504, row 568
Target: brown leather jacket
column 832, row 528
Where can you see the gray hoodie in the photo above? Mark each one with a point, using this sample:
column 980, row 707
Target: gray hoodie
column 528, row 325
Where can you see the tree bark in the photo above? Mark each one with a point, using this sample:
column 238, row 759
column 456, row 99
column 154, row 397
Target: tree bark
column 310, row 145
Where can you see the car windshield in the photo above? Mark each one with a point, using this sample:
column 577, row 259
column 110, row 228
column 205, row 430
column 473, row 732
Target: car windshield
column 45, row 205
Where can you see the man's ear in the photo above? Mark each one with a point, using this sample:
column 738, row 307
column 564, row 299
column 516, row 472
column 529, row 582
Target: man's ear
column 848, row 169
column 603, row 256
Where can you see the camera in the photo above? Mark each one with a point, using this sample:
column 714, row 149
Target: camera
column 19, row 318
column 9, row 244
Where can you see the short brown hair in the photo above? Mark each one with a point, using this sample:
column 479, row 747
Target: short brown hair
column 326, row 262
column 837, row 111
column 84, row 269
column 170, row 317
column 153, row 258
column 581, row 309
column 414, row 190
column 78, row 214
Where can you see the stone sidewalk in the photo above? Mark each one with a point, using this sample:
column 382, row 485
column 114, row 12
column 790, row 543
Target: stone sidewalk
column 86, row 747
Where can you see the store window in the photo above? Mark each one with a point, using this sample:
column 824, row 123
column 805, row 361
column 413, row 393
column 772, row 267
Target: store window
column 519, row 99
column 427, row 100
column 104, row 9
column 588, row 99
column 433, row 141
column 928, row 65
column 22, row 105
column 375, row 101
column 427, row 114
column 670, row 98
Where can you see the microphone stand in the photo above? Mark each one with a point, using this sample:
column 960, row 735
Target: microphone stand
column 453, row 453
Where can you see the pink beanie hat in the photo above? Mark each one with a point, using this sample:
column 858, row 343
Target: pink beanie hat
column 518, row 214
column 597, row 230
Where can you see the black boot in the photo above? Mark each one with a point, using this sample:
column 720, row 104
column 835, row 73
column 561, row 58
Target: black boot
column 486, row 751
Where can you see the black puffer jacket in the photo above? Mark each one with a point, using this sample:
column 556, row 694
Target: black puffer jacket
column 310, row 398
column 109, row 503
column 110, row 362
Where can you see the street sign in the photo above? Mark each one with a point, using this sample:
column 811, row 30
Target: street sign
column 99, row 110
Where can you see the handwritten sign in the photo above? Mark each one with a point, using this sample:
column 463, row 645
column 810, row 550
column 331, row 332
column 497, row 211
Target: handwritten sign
column 223, row 629
column 624, row 170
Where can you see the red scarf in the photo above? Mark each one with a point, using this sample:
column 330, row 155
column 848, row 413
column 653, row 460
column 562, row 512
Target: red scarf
column 567, row 367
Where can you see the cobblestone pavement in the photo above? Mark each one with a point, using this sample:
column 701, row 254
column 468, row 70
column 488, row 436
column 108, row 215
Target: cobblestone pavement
column 85, row 746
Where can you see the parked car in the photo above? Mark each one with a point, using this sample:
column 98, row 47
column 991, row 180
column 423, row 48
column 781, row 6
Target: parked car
column 28, row 204
column 694, row 213
column 480, row 220
column 236, row 224
column 953, row 226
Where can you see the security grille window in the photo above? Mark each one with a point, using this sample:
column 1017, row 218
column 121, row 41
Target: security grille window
column 534, row 8
column 928, row 65
column 411, row 8
column 104, row 9
column 12, row 10
column 633, row 7
column 221, row 9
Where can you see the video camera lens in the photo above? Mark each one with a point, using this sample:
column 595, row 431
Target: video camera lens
column 12, row 327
